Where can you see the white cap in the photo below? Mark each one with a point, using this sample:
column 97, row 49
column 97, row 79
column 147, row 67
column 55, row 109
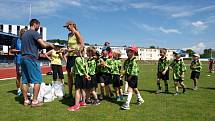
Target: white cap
column 196, row 55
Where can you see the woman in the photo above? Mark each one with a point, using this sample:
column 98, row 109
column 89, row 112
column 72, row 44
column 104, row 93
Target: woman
column 75, row 40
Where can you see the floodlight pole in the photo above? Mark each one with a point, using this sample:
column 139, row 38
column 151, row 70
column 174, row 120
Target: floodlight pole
column 30, row 12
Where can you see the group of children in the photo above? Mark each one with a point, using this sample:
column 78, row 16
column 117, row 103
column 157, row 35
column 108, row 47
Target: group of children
column 179, row 68
column 107, row 69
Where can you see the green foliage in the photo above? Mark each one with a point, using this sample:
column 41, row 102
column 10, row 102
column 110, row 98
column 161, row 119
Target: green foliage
column 208, row 53
column 62, row 42
column 192, row 106
column 152, row 46
column 190, row 52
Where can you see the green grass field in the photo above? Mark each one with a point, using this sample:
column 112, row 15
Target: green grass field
column 192, row 106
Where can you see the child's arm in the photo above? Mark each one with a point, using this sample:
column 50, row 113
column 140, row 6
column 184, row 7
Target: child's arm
column 48, row 54
column 81, row 66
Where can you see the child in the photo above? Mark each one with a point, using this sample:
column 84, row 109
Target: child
column 196, row 67
column 179, row 68
column 55, row 56
column 91, row 84
column 163, row 71
column 211, row 68
column 105, row 66
column 81, row 78
column 132, row 72
column 117, row 82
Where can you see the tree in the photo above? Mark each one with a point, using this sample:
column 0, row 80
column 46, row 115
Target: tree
column 208, row 53
column 62, row 42
column 152, row 46
column 190, row 52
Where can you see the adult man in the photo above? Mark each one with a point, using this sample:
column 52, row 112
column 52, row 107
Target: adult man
column 31, row 73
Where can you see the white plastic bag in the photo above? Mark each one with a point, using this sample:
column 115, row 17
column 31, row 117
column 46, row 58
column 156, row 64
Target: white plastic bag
column 58, row 88
column 49, row 95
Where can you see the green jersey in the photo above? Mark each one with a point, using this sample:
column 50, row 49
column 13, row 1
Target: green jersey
column 163, row 63
column 81, row 67
column 116, row 66
column 178, row 67
column 108, row 68
column 131, row 67
column 196, row 65
column 91, row 66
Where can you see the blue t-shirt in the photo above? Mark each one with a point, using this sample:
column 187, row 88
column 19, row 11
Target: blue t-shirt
column 16, row 44
column 30, row 45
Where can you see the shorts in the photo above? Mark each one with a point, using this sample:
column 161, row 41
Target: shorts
column 31, row 72
column 117, row 82
column 133, row 82
column 105, row 78
column 195, row 75
column 80, row 82
column 163, row 77
column 178, row 80
column 70, row 62
column 18, row 69
column 92, row 83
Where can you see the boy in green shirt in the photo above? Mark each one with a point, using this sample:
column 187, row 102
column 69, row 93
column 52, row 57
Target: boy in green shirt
column 117, row 82
column 196, row 67
column 163, row 70
column 132, row 71
column 178, row 68
column 105, row 66
column 81, row 78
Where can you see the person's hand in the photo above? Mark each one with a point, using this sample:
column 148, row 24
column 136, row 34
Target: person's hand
column 164, row 72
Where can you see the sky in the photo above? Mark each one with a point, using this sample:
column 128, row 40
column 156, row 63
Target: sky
column 179, row 24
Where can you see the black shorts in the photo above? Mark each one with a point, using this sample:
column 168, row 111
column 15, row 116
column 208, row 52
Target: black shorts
column 133, row 82
column 163, row 77
column 92, row 83
column 178, row 80
column 117, row 82
column 105, row 78
column 126, row 77
column 80, row 82
column 195, row 75
column 70, row 62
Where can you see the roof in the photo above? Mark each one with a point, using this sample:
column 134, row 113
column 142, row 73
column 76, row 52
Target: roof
column 6, row 38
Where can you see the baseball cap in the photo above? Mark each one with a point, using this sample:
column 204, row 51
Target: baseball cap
column 196, row 55
column 68, row 23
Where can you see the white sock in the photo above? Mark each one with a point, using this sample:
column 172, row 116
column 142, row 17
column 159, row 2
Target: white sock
column 126, row 86
column 139, row 96
column 129, row 97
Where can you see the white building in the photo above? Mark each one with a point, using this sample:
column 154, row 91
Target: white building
column 14, row 29
column 143, row 53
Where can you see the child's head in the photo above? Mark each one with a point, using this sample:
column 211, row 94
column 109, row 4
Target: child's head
column 196, row 56
column 132, row 51
column 91, row 51
column 104, row 53
column 79, row 51
column 117, row 54
column 56, row 46
column 177, row 55
column 163, row 52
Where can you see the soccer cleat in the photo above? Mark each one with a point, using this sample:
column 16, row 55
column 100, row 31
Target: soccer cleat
column 118, row 98
column 36, row 104
column 73, row 108
column 195, row 88
column 176, row 94
column 27, row 102
column 82, row 104
column 125, row 106
column 101, row 97
column 140, row 101
column 19, row 93
column 96, row 102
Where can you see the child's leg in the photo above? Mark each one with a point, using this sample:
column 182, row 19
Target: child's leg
column 182, row 85
column 130, row 91
column 102, row 85
column 158, row 86
column 117, row 91
column 126, row 87
column 176, row 86
column 77, row 96
column 166, row 85
column 83, row 95
column 138, row 94
column 195, row 81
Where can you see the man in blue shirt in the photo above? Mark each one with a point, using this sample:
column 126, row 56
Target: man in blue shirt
column 16, row 49
column 31, row 72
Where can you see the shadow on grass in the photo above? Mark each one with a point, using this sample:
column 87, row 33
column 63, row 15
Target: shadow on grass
column 19, row 99
column 67, row 101
column 211, row 88
column 153, row 91
column 113, row 100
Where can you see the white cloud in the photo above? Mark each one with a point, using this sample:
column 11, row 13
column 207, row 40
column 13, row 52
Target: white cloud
column 199, row 25
column 198, row 48
column 168, row 31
